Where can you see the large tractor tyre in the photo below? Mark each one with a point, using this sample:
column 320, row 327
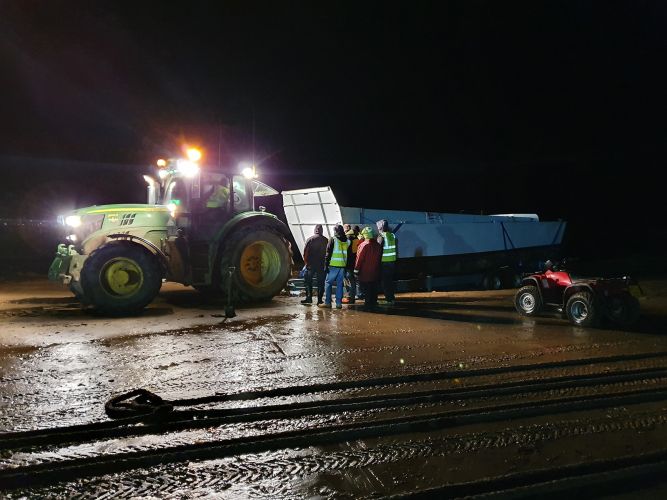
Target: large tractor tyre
column 623, row 310
column 121, row 279
column 582, row 309
column 527, row 301
column 262, row 259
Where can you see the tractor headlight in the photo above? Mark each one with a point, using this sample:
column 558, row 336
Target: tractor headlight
column 79, row 227
column 73, row 220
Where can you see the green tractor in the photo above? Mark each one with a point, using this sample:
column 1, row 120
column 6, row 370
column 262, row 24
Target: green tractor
column 199, row 228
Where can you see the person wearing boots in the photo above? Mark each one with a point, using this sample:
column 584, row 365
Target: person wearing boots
column 388, row 264
column 367, row 267
column 313, row 257
column 335, row 262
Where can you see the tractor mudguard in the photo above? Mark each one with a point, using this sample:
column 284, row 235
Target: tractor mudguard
column 148, row 245
column 242, row 220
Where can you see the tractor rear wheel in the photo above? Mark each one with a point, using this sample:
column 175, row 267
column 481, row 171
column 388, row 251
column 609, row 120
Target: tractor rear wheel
column 120, row 278
column 623, row 309
column 527, row 300
column 582, row 309
column 262, row 259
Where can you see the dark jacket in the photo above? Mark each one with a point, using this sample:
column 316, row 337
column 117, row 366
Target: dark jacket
column 352, row 251
column 314, row 251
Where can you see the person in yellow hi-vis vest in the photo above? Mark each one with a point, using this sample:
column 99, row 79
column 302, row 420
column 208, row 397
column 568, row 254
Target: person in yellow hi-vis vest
column 388, row 264
column 336, row 262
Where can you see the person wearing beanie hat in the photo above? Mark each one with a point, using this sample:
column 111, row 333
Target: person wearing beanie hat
column 367, row 267
column 335, row 262
column 313, row 257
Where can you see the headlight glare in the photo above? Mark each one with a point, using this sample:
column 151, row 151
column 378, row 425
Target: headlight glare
column 73, row 220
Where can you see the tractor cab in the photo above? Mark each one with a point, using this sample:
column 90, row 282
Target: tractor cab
column 201, row 200
column 204, row 204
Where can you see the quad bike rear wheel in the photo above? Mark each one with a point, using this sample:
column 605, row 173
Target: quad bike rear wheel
column 582, row 309
column 623, row 310
column 527, row 301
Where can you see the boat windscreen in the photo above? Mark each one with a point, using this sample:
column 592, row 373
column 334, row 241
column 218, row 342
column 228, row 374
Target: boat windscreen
column 261, row 189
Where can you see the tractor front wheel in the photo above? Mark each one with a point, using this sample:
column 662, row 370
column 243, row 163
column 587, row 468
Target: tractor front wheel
column 120, row 279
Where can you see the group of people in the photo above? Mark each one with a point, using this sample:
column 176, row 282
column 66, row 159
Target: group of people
column 364, row 259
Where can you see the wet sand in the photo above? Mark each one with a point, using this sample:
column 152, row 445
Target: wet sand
column 59, row 364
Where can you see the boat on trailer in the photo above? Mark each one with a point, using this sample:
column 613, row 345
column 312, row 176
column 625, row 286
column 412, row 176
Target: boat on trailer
column 438, row 250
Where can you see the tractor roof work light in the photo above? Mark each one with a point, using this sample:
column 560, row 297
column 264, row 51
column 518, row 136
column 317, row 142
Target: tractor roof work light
column 193, row 154
column 248, row 171
column 187, row 168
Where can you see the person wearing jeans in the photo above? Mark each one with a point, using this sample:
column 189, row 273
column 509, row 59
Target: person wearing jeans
column 336, row 261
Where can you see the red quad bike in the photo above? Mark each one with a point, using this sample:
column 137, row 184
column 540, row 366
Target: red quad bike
column 585, row 301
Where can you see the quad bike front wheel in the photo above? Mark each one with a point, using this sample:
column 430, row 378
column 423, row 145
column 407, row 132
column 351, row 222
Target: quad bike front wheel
column 582, row 309
column 527, row 301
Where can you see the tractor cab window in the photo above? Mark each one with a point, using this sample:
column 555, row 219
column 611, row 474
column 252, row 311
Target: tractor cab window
column 216, row 191
column 176, row 194
column 242, row 199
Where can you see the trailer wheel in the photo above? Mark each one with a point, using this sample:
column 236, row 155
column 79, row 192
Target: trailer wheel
column 120, row 278
column 527, row 301
column 492, row 281
column 262, row 259
column 582, row 309
column 623, row 309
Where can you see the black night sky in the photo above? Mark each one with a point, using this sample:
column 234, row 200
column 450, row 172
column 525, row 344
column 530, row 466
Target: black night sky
column 556, row 108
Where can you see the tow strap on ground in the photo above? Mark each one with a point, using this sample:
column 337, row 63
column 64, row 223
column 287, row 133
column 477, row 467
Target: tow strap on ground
column 144, row 403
